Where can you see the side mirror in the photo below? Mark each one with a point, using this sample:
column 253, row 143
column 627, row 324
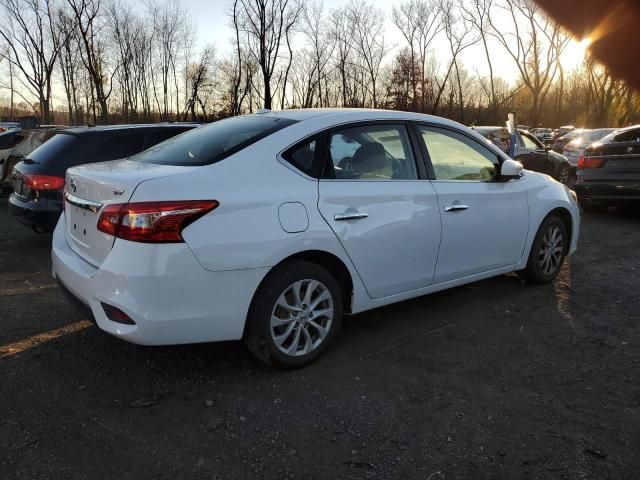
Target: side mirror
column 510, row 169
column 547, row 148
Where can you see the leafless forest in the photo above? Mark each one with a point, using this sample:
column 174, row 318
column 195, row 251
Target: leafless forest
column 102, row 61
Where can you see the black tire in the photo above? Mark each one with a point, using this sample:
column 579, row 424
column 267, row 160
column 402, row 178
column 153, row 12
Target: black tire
column 259, row 334
column 537, row 270
column 594, row 207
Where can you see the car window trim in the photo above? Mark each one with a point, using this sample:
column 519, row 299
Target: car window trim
column 497, row 164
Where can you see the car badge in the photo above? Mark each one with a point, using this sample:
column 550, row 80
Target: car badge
column 118, row 191
column 629, row 149
column 72, row 182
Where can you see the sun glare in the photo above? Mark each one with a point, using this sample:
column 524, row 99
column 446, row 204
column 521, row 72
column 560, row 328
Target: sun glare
column 574, row 53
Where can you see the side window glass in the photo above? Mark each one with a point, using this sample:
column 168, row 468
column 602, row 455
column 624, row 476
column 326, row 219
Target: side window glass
column 457, row 157
column 122, row 146
column 630, row 136
column 528, row 142
column 302, row 155
column 372, row 152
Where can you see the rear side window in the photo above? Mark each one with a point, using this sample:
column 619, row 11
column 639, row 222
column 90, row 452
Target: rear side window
column 122, row 146
column 302, row 156
column 628, row 136
column 54, row 149
column 210, row 144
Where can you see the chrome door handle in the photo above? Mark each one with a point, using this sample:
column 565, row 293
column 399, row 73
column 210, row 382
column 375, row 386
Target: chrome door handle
column 455, row 207
column 338, row 217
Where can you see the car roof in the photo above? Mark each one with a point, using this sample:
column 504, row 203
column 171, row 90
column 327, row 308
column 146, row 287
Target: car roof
column 338, row 115
column 125, row 127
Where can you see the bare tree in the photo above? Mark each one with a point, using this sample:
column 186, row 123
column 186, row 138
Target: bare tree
column 265, row 25
column 33, row 39
column 198, row 79
column 419, row 21
column 86, row 15
column 476, row 13
column 369, row 43
column 533, row 45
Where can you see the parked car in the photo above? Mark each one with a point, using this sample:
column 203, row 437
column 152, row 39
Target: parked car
column 269, row 227
column 25, row 142
column 563, row 131
column 609, row 171
column 545, row 135
column 560, row 142
column 530, row 152
column 4, row 126
column 575, row 148
column 38, row 180
column 9, row 139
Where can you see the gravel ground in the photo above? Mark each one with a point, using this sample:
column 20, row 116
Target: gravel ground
column 492, row 380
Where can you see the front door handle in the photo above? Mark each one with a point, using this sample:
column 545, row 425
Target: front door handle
column 339, row 217
column 455, row 207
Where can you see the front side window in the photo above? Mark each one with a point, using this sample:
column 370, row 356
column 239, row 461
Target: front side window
column 218, row 140
column 529, row 142
column 371, row 152
column 457, row 157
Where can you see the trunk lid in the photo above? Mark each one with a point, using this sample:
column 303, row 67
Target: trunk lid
column 89, row 188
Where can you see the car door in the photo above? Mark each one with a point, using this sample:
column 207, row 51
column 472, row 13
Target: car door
column 485, row 221
column 383, row 212
column 533, row 155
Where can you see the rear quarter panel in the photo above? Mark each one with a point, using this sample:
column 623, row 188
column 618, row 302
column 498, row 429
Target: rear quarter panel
column 245, row 231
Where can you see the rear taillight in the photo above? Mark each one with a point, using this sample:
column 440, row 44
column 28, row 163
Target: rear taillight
column 152, row 222
column 589, row 162
column 42, row 182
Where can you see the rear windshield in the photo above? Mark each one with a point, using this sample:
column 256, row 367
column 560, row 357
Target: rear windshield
column 52, row 149
column 214, row 142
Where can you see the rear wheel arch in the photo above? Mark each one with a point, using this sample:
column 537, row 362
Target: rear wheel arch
column 330, row 262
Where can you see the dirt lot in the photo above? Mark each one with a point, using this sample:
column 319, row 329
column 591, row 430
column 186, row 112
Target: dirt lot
column 492, row 380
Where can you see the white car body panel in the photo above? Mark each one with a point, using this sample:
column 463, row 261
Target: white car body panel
column 201, row 290
column 402, row 231
column 490, row 234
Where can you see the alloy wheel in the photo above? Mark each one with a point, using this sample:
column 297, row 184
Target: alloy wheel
column 551, row 249
column 301, row 318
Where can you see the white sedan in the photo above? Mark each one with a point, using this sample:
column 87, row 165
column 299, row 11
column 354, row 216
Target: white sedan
column 269, row 227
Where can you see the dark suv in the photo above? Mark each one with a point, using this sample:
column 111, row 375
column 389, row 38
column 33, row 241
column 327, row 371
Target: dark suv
column 38, row 181
column 609, row 171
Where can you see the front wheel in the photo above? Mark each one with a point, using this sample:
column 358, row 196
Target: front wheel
column 295, row 315
column 547, row 252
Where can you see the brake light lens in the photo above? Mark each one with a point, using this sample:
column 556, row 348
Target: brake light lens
column 590, row 162
column 43, row 182
column 152, row 222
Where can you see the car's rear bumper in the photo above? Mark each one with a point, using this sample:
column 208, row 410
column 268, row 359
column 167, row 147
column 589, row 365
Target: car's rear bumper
column 41, row 215
column 163, row 288
column 614, row 192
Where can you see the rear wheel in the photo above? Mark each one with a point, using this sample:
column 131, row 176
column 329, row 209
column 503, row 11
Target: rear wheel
column 295, row 315
column 547, row 252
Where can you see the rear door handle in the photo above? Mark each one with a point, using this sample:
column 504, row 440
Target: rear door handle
column 455, row 207
column 339, row 217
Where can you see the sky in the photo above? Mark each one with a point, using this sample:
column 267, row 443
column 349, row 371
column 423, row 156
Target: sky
column 213, row 24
